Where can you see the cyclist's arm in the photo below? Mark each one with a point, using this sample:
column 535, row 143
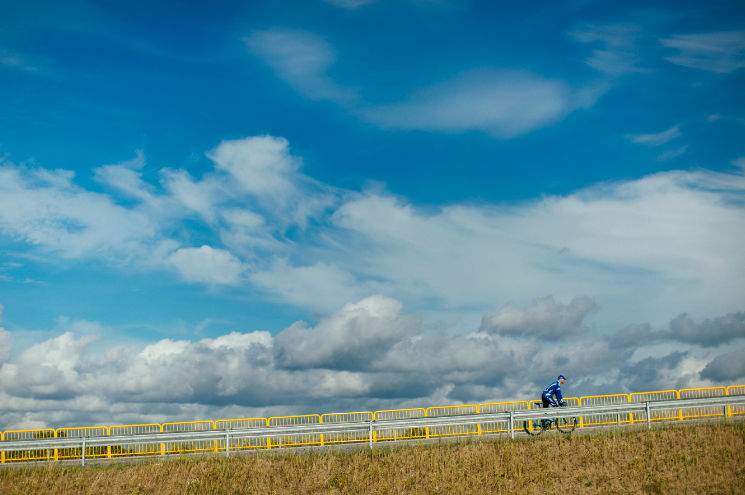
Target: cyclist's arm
column 559, row 398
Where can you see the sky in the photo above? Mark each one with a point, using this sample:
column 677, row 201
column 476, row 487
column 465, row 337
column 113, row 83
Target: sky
column 232, row 209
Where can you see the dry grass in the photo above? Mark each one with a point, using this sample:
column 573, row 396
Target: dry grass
column 703, row 460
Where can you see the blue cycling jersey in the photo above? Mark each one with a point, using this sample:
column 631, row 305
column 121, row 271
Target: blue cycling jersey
column 553, row 390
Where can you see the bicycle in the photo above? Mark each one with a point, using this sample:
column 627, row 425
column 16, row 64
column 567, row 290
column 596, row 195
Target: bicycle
column 538, row 426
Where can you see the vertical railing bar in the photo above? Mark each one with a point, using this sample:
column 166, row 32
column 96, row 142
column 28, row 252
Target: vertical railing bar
column 371, row 434
column 649, row 420
column 512, row 426
column 227, row 443
column 83, row 451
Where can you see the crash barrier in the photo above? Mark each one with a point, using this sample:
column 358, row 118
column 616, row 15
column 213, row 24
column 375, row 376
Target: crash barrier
column 380, row 426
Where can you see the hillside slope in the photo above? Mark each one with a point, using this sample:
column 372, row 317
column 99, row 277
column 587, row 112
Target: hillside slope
column 694, row 459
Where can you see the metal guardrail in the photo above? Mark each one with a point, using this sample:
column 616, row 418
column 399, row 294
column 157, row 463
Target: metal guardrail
column 368, row 428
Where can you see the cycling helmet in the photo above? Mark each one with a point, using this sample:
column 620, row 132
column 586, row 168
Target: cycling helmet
column 561, row 377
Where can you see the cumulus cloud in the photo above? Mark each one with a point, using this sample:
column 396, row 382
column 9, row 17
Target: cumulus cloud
column 143, row 223
column 675, row 237
column 207, row 265
column 543, row 319
column 350, row 339
column 633, row 335
column 726, row 368
column 655, row 139
column 721, row 52
column 368, row 355
column 710, row 332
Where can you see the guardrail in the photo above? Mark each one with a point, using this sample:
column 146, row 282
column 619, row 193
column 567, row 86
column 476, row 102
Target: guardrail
column 311, row 431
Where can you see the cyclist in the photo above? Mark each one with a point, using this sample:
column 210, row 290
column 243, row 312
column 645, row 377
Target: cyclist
column 552, row 395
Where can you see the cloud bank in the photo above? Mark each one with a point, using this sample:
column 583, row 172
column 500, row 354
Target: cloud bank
column 368, row 355
column 675, row 237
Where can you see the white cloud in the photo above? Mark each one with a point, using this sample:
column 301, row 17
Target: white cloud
column 619, row 55
column 722, row 52
column 672, row 237
column 46, row 209
column 664, row 244
column 544, row 319
column 321, row 286
column 15, row 61
column 301, row 59
column 655, row 139
column 367, row 355
column 349, row 4
column 670, row 154
column 502, row 103
column 207, row 265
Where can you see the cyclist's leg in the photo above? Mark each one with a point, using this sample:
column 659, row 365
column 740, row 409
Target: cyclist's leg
column 546, row 405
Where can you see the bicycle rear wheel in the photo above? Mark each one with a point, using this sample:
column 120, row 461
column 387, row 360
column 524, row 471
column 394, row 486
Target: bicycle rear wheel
column 566, row 425
column 533, row 428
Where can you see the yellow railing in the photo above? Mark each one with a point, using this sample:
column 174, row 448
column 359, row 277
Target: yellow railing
column 295, row 440
column 242, row 424
column 135, row 448
column 448, row 431
column 335, row 418
column 351, row 417
column 653, row 396
column 500, row 426
column 736, row 390
column 400, row 433
column 86, row 431
column 190, row 446
column 604, row 419
column 701, row 412
column 29, row 455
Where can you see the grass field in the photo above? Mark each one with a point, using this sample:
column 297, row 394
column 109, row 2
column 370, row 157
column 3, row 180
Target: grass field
column 706, row 459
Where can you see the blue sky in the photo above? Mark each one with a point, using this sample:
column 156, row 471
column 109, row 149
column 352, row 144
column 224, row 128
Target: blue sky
column 251, row 182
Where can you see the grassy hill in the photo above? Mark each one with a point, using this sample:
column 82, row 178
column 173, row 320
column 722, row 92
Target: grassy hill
column 704, row 459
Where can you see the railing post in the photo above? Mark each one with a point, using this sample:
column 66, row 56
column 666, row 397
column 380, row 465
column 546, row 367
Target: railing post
column 426, row 428
column 649, row 419
column 727, row 411
column 512, row 426
column 162, row 445
column 215, row 443
column 56, row 456
column 83, row 451
column 227, row 443
column 320, row 421
column 371, row 434
column 108, row 447
column 680, row 411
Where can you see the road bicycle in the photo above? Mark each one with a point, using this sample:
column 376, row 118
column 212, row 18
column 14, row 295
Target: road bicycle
column 538, row 426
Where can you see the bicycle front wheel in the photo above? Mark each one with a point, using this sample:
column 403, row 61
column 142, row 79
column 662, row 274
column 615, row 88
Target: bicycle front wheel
column 532, row 428
column 566, row 425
